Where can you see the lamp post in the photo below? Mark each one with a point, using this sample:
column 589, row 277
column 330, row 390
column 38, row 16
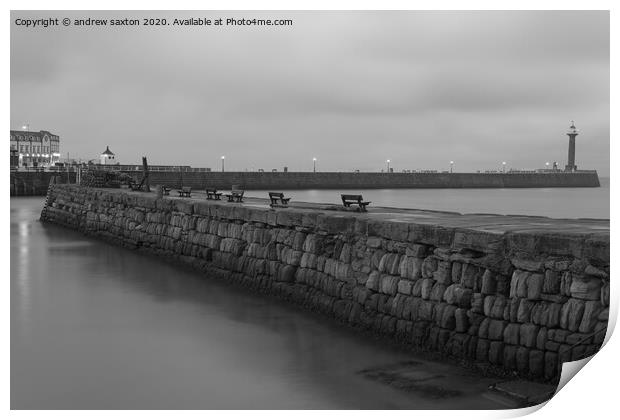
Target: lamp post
column 223, row 157
column 314, row 165
column 504, row 167
column 547, row 165
column 451, row 166
column 388, row 166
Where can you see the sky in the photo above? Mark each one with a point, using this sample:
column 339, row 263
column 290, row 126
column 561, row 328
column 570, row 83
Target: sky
column 352, row 89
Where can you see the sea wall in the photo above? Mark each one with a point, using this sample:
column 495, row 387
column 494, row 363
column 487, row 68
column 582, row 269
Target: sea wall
column 367, row 180
column 35, row 183
column 519, row 301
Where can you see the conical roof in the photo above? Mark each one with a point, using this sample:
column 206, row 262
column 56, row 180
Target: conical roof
column 107, row 151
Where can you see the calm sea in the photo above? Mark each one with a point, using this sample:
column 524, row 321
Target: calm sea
column 551, row 202
column 97, row 326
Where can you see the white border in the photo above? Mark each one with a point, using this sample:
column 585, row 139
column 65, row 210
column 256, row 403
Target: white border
column 593, row 394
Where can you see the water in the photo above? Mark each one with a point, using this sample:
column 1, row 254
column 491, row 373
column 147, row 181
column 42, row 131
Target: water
column 570, row 203
column 94, row 326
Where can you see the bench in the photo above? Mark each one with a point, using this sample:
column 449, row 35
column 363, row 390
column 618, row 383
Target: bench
column 275, row 196
column 165, row 190
column 185, row 192
column 235, row 196
column 212, row 194
column 348, row 199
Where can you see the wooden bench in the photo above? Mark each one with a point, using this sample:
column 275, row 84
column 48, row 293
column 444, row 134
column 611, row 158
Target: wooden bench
column 348, row 199
column 235, row 196
column 185, row 192
column 165, row 190
column 212, row 194
column 275, row 196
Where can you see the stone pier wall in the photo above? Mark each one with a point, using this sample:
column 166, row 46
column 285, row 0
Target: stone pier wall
column 35, row 183
column 368, row 180
column 523, row 302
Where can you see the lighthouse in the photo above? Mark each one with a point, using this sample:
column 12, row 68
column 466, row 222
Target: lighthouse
column 572, row 134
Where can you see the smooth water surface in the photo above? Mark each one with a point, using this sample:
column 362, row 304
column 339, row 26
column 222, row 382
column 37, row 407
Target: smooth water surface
column 570, row 203
column 94, row 326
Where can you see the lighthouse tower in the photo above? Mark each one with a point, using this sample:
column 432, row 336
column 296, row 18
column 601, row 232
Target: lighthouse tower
column 572, row 134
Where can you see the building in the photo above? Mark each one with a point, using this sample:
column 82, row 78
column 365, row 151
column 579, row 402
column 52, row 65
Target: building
column 107, row 157
column 31, row 148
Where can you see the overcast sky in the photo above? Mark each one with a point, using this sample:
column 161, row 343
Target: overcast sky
column 350, row 88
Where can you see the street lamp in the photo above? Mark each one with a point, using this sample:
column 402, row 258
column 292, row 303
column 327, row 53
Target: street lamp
column 451, row 166
column 313, row 164
column 223, row 157
column 388, row 166
column 547, row 165
column 504, row 167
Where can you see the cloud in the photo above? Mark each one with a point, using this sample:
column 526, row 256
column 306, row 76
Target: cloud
column 354, row 88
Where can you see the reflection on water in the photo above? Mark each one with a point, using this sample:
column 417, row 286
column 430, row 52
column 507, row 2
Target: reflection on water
column 96, row 326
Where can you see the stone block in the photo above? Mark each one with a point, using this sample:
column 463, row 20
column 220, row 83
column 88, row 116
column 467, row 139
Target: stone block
column 374, row 242
column 565, row 283
column 448, row 320
column 405, row 286
column 429, row 266
column 489, row 285
column 457, row 269
column 437, row 292
column 443, row 274
column 374, row 281
column 488, row 305
column 499, row 305
column 511, row 334
column 332, row 224
column 591, row 311
column 496, row 329
column 541, row 338
column 483, row 331
column 389, row 285
column 461, row 320
column 555, row 312
column 417, row 250
column 427, row 286
column 605, row 294
column 469, row 274
column 416, row 289
column 586, row 287
column 477, row 303
column 390, row 264
column 527, row 265
column 551, row 283
column 411, row 267
column 376, row 258
column 525, row 310
column 431, row 234
column 518, row 284
column 425, row 311
column 503, row 284
column 287, row 274
column 535, row 286
column 528, row 335
column 571, row 314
